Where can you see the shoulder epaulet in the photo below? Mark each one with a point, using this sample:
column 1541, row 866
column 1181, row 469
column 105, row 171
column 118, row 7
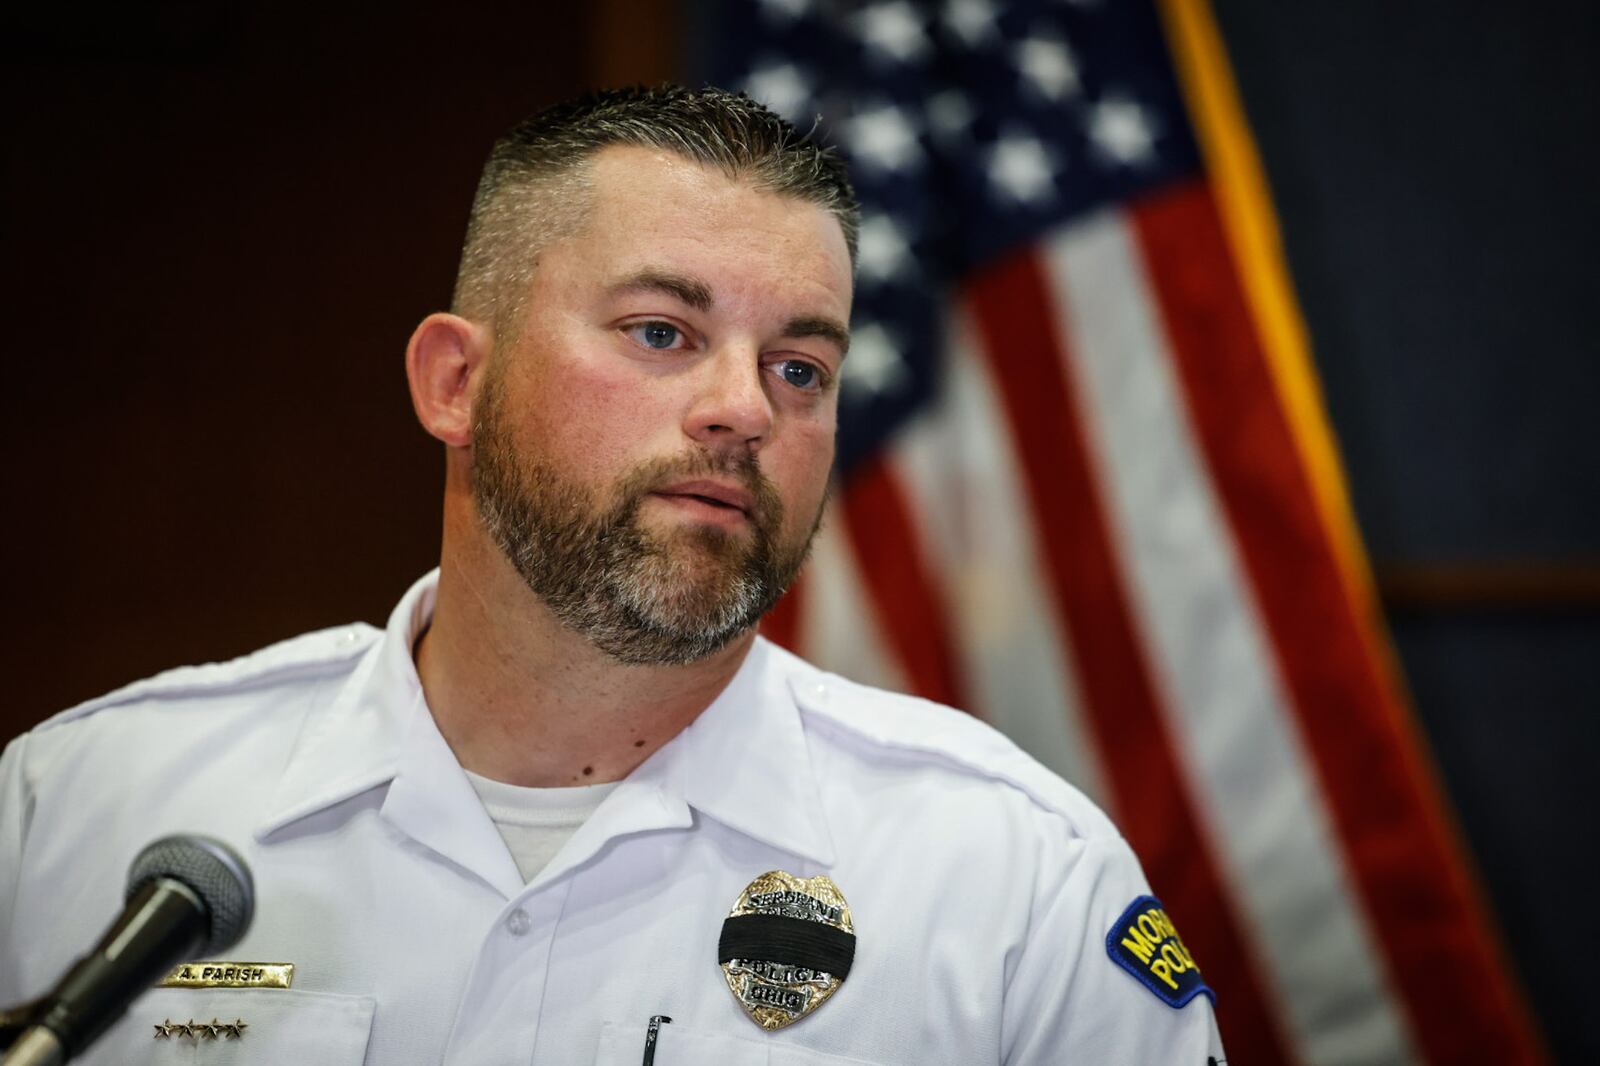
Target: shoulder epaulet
column 305, row 655
column 955, row 739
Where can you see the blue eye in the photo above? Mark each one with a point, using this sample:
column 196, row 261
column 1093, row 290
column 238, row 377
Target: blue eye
column 658, row 335
column 800, row 374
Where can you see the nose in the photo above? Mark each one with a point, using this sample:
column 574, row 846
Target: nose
column 730, row 407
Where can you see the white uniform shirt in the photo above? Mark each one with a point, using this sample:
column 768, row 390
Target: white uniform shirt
column 982, row 887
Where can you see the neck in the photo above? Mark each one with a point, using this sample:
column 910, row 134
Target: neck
column 521, row 698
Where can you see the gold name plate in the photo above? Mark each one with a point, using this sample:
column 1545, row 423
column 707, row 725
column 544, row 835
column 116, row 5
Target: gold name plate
column 230, row 975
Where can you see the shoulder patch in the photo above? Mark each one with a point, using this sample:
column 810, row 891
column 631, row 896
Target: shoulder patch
column 1144, row 942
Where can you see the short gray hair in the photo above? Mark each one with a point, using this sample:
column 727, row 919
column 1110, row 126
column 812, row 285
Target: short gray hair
column 533, row 179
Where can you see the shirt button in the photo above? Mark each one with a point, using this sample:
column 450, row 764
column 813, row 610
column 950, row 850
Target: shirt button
column 518, row 923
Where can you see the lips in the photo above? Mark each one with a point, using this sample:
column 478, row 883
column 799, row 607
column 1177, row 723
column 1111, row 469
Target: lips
column 716, row 493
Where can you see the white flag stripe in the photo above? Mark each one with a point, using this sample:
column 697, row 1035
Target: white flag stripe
column 1213, row 665
column 839, row 628
column 957, row 467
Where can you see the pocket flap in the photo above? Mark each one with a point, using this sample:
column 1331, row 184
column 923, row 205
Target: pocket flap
column 237, row 1027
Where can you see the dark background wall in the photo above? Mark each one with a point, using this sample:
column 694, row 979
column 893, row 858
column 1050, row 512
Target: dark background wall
column 220, row 223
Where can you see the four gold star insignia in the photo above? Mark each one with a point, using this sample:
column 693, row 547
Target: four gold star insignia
column 166, row 1029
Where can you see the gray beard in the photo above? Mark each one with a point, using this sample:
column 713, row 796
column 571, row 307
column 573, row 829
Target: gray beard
column 639, row 597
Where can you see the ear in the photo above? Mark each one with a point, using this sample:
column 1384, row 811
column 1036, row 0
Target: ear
column 444, row 354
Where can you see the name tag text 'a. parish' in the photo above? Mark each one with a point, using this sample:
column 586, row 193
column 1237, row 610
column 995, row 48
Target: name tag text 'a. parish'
column 230, row 975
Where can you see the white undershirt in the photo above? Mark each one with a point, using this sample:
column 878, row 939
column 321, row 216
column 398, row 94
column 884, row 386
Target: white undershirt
column 535, row 822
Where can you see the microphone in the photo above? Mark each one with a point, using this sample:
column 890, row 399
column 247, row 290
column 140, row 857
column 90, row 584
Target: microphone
column 184, row 893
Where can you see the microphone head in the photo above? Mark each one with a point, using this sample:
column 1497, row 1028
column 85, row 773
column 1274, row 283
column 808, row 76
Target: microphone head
column 213, row 871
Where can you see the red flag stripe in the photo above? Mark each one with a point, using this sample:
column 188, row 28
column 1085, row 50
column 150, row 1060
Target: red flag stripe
column 781, row 625
column 1222, row 696
column 893, row 564
column 1014, row 313
column 1383, row 803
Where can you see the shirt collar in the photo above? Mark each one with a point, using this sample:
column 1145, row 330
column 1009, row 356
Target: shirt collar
column 356, row 741
column 744, row 761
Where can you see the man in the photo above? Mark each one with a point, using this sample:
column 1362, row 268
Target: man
column 567, row 807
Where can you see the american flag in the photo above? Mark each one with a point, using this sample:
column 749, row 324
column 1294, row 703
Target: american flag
column 1087, row 493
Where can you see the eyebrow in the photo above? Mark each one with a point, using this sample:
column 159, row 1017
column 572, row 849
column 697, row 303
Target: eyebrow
column 817, row 326
column 681, row 287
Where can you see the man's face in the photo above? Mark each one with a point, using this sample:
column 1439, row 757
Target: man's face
column 652, row 449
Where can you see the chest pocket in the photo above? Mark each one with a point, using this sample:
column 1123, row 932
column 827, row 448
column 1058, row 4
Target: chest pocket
column 678, row 1045
column 281, row 1026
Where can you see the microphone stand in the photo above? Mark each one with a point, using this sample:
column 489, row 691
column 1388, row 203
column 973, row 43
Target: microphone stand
column 13, row 1020
column 37, row 1047
column 29, row 1044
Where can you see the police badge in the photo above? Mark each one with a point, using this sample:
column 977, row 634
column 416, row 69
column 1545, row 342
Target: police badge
column 786, row 947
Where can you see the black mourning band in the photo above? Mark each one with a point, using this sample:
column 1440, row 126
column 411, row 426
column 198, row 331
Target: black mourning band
column 791, row 941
